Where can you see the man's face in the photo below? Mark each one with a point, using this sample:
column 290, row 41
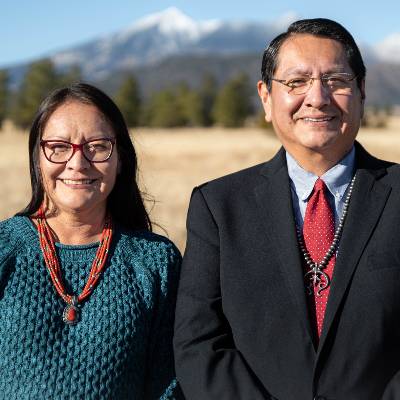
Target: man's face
column 317, row 121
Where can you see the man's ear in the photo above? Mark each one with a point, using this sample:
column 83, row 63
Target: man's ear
column 362, row 91
column 265, row 98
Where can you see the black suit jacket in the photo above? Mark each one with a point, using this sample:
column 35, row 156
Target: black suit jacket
column 242, row 328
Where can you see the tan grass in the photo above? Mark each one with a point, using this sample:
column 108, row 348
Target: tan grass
column 172, row 162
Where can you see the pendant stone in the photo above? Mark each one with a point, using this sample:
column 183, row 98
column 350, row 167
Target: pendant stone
column 71, row 313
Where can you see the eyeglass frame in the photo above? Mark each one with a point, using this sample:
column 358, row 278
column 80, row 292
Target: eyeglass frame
column 76, row 147
column 322, row 78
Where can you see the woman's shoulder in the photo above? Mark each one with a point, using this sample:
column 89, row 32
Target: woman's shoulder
column 147, row 240
column 149, row 246
column 153, row 256
column 12, row 234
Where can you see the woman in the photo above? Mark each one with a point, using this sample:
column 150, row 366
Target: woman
column 87, row 292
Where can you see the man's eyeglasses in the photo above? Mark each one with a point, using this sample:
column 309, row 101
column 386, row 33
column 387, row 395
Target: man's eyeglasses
column 60, row 151
column 337, row 83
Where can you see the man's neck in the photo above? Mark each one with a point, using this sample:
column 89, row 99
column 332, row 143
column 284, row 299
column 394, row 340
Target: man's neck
column 317, row 162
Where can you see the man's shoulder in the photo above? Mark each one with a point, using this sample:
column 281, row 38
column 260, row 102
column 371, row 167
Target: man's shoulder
column 245, row 178
column 392, row 175
column 383, row 169
column 237, row 177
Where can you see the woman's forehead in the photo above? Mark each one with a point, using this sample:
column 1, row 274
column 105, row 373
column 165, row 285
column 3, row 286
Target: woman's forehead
column 77, row 119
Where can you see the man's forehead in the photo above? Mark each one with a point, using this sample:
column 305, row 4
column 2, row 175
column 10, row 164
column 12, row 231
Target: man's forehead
column 301, row 40
column 302, row 52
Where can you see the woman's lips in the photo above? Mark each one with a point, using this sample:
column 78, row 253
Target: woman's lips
column 78, row 182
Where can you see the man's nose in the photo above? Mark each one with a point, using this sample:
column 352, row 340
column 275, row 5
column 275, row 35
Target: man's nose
column 318, row 95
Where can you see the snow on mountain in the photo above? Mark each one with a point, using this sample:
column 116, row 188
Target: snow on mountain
column 281, row 23
column 158, row 36
column 164, row 34
column 146, row 41
column 172, row 21
column 388, row 50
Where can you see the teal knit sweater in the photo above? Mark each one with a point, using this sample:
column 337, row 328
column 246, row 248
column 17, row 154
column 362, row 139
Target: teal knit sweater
column 122, row 346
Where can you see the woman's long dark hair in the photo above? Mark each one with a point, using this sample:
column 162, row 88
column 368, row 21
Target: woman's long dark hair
column 125, row 201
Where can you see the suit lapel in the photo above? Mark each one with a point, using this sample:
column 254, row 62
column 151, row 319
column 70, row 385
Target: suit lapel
column 275, row 204
column 366, row 205
column 274, row 201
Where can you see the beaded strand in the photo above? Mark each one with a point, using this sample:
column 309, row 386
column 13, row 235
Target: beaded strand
column 47, row 245
column 316, row 275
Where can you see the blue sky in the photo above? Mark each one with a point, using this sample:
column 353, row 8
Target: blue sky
column 29, row 29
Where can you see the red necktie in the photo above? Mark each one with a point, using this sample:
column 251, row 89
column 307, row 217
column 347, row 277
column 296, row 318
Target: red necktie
column 318, row 232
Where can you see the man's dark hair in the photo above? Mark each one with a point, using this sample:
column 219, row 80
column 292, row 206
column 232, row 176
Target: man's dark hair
column 319, row 27
column 125, row 202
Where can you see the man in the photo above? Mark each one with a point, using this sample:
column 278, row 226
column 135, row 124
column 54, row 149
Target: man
column 291, row 276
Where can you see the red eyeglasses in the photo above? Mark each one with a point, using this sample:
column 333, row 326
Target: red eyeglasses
column 61, row 151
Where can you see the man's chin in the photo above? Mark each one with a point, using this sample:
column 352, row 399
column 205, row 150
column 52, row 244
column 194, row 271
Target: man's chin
column 320, row 140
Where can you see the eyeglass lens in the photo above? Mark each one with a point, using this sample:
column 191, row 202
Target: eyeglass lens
column 59, row 152
column 335, row 84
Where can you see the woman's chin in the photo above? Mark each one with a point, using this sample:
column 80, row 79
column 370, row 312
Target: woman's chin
column 78, row 205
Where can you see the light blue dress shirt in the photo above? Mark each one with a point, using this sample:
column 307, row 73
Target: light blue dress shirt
column 336, row 179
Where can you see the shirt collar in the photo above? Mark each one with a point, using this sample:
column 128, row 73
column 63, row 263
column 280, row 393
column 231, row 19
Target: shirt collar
column 336, row 179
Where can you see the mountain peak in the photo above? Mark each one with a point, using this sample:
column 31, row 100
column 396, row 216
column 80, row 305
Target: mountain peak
column 169, row 21
column 281, row 23
column 389, row 49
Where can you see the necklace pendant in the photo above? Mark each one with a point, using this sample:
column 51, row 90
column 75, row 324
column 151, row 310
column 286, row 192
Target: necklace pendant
column 71, row 313
column 316, row 278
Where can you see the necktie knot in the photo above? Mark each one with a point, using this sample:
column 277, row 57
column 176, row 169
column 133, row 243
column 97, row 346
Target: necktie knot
column 319, row 185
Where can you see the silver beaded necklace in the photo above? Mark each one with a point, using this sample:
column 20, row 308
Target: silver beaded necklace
column 315, row 276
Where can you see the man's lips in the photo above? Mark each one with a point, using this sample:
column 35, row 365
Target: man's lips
column 325, row 118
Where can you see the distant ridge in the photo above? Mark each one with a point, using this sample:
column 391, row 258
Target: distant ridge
column 172, row 36
column 165, row 34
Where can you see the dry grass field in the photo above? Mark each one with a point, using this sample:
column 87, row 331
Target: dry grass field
column 172, row 162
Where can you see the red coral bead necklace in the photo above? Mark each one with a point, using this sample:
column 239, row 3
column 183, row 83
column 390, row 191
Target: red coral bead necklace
column 71, row 312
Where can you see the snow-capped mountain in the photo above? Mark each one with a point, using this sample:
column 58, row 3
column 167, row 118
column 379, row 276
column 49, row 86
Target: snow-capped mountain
column 164, row 34
column 389, row 49
column 171, row 32
column 171, row 22
column 169, row 47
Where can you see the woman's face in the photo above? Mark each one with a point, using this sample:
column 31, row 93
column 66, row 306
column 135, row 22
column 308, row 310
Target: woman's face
column 78, row 185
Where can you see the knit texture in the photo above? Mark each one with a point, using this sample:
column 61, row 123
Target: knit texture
column 122, row 346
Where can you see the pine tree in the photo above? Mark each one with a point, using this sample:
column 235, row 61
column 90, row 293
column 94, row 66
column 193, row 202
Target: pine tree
column 193, row 109
column 128, row 100
column 73, row 74
column 39, row 80
column 233, row 103
column 208, row 93
column 3, row 95
column 164, row 110
column 189, row 105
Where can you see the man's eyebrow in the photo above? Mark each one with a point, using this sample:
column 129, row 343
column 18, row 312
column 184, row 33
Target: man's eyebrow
column 296, row 70
column 338, row 69
column 306, row 71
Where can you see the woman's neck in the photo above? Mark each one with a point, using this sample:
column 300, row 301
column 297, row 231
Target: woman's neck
column 77, row 228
